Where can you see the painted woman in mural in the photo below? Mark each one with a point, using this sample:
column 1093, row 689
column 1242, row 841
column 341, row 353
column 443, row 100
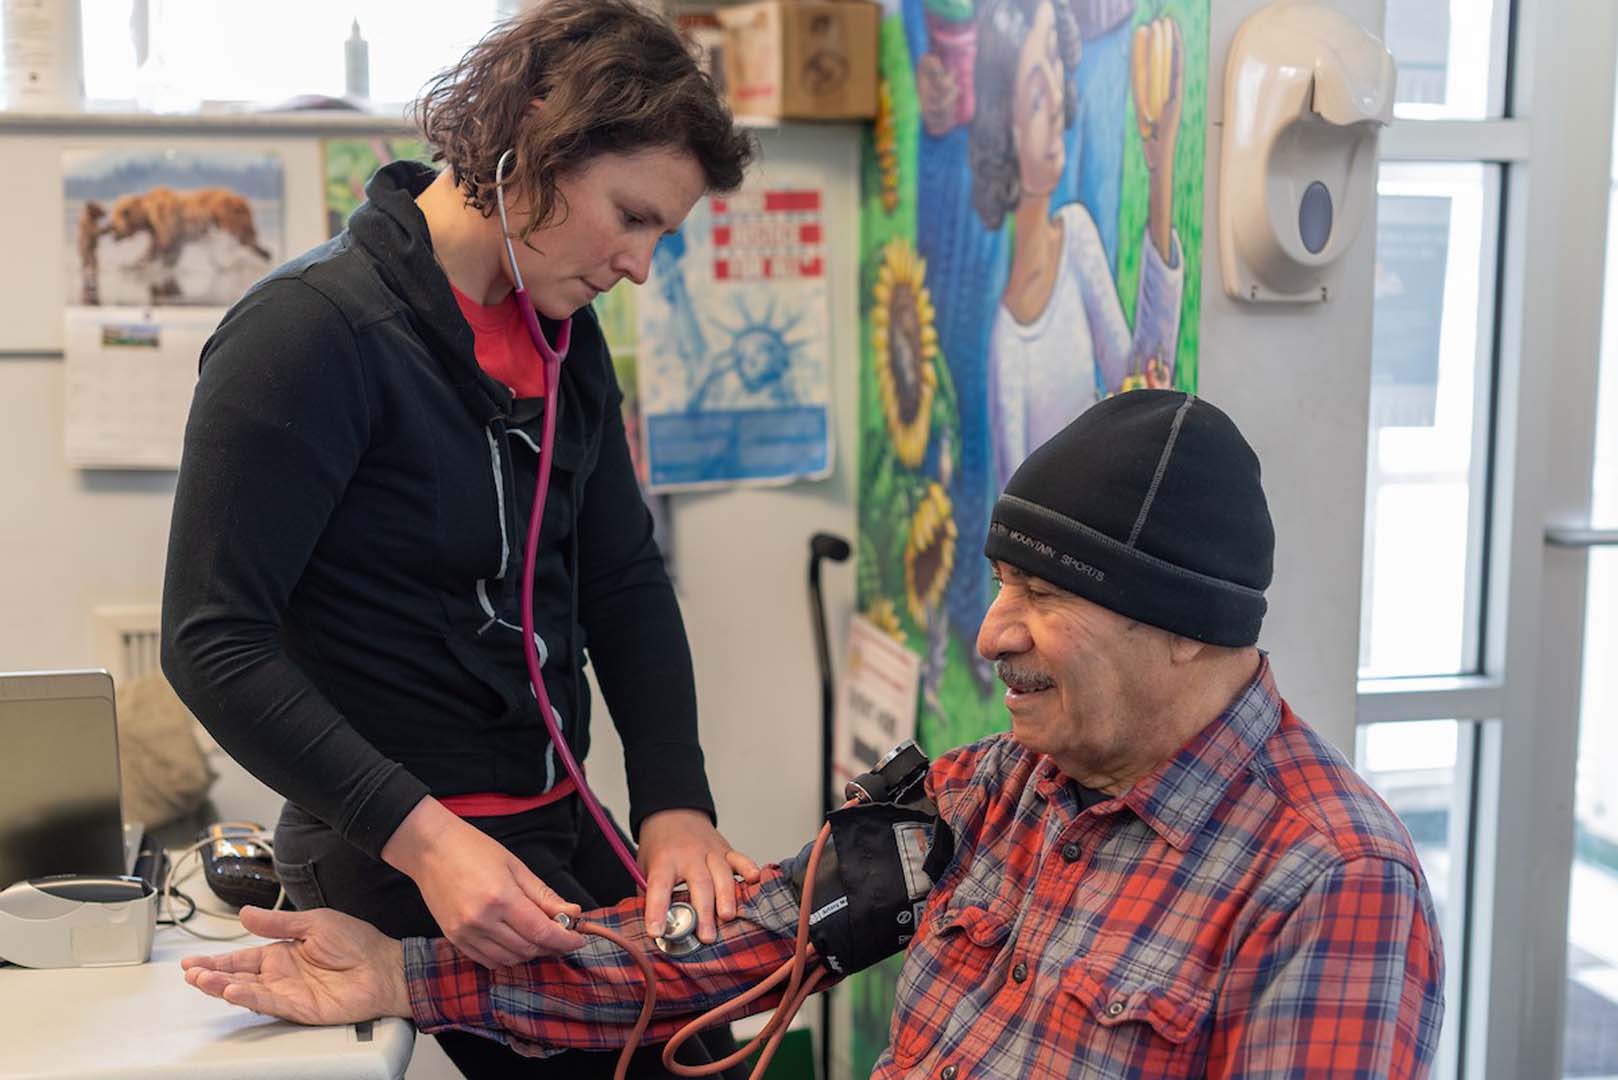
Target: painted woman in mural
column 1060, row 339
column 1031, row 239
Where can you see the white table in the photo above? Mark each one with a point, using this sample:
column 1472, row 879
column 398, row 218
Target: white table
column 123, row 1023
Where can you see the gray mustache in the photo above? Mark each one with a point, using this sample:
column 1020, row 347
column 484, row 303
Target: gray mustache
column 1019, row 678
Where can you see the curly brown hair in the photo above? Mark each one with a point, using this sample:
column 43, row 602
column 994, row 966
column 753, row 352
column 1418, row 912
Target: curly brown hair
column 613, row 77
column 1003, row 27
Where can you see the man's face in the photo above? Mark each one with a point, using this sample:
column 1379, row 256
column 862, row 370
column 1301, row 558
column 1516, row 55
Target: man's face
column 1083, row 684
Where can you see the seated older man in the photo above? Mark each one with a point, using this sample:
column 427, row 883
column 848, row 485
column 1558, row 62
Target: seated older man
column 1159, row 871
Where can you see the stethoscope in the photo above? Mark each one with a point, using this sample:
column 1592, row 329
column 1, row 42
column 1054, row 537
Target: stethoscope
column 679, row 935
column 680, row 928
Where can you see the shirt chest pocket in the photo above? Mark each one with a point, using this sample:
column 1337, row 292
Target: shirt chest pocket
column 950, row 958
column 1125, row 1012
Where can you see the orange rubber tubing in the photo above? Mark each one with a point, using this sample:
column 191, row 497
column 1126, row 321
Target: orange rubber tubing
column 797, row 991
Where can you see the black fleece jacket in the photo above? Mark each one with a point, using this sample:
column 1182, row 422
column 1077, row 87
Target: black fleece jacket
column 340, row 606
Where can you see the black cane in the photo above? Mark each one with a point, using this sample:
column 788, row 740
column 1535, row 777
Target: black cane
column 835, row 548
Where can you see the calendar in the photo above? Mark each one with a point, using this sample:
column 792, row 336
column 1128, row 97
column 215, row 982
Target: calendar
column 130, row 373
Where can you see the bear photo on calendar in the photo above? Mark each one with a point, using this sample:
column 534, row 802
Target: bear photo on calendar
column 153, row 229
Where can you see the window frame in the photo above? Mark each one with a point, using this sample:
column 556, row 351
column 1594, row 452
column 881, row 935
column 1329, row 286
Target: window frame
column 1506, row 1002
column 1469, row 659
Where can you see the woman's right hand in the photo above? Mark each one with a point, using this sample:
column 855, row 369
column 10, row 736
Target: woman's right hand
column 490, row 906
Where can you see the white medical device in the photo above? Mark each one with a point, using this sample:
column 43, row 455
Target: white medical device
column 1306, row 92
column 77, row 920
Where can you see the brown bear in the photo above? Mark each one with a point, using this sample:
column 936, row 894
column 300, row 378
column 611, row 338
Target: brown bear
column 175, row 218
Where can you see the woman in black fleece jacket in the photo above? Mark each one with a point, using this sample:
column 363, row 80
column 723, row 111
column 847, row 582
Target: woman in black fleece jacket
column 341, row 601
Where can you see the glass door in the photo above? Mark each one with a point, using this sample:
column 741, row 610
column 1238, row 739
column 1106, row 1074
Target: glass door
column 1489, row 620
column 1590, row 1015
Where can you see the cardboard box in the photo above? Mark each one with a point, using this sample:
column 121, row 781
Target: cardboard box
column 707, row 38
column 801, row 59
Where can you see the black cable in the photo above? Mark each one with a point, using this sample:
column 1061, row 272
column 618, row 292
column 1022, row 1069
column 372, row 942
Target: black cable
column 192, row 904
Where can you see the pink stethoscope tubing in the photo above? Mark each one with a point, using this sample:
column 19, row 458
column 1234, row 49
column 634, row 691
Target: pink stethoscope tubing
column 800, row 983
column 551, row 359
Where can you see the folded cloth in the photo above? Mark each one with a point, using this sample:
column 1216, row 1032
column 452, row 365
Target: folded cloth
column 164, row 772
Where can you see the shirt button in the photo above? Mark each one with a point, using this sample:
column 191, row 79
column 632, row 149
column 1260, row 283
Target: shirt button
column 1115, row 1008
column 1070, row 851
column 947, row 1072
column 1020, row 972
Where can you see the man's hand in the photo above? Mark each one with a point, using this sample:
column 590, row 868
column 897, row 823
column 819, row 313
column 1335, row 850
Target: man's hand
column 334, row 969
column 683, row 845
column 484, row 899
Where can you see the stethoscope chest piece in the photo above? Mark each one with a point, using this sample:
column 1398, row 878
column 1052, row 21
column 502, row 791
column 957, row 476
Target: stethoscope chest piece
column 679, row 931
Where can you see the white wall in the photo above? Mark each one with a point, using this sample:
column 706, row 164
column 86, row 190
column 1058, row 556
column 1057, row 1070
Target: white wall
column 71, row 540
column 1297, row 380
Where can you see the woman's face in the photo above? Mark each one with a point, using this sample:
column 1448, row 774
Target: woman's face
column 1036, row 117
column 610, row 213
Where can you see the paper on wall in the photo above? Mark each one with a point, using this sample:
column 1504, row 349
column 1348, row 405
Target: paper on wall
column 130, row 373
column 734, row 328
column 877, row 707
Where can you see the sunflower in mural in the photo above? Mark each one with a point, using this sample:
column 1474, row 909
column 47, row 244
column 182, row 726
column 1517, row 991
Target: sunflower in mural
column 887, row 147
column 929, row 553
column 905, row 344
column 886, row 617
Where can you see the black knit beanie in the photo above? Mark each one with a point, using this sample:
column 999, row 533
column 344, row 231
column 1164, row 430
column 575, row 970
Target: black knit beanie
column 1148, row 504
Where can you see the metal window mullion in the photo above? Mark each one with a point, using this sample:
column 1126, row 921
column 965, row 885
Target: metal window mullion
column 1485, row 390
column 1495, row 1036
column 1458, row 698
column 1502, row 65
column 1476, row 1008
column 1503, row 140
column 1462, row 888
column 1463, row 883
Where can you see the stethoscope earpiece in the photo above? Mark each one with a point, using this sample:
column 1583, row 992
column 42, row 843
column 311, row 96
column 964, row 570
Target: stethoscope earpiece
column 552, row 358
column 505, row 226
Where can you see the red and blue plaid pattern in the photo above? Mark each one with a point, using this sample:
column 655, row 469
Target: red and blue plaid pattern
column 1251, row 908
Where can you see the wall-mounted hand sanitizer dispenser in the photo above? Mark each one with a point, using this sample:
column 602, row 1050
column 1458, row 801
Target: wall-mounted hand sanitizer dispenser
column 1306, row 92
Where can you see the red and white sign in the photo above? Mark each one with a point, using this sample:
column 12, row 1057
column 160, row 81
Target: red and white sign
column 768, row 236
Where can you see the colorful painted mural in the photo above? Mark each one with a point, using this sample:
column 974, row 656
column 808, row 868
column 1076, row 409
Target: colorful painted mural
column 350, row 163
column 1031, row 241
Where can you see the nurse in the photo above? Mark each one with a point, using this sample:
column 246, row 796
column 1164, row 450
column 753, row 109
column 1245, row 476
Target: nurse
column 342, row 597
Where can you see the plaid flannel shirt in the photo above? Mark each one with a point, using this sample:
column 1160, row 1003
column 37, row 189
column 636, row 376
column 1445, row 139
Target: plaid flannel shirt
column 1250, row 908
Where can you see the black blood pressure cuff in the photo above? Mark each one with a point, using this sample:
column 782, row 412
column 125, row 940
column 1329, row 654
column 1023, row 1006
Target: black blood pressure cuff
column 874, row 875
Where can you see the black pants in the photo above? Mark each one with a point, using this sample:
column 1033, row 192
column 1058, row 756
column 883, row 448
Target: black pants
column 561, row 843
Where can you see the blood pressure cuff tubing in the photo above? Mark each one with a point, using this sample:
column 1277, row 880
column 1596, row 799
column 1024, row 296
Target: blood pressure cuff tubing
column 872, row 882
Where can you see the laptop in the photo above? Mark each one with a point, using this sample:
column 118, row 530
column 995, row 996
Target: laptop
column 59, row 789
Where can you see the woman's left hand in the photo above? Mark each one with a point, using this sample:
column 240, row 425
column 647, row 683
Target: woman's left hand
column 683, row 845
